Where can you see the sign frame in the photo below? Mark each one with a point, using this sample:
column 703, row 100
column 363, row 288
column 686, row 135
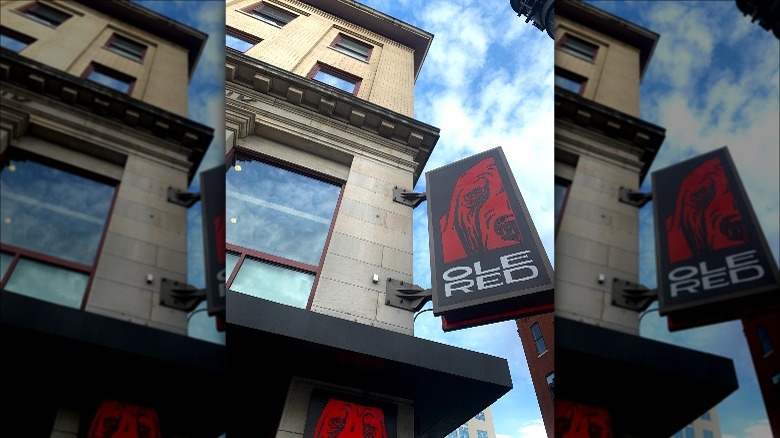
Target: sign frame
column 212, row 189
column 715, row 266
column 506, row 302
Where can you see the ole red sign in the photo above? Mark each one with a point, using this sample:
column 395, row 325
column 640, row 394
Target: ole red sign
column 487, row 262
column 713, row 262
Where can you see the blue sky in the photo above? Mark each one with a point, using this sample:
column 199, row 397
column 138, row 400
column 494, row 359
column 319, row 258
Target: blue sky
column 488, row 82
column 714, row 80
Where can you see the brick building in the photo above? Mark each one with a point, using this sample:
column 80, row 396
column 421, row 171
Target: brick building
column 320, row 132
column 94, row 133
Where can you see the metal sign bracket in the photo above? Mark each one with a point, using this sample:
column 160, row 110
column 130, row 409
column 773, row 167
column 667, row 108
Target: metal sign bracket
column 406, row 296
column 412, row 199
column 632, row 296
column 634, row 198
column 180, row 296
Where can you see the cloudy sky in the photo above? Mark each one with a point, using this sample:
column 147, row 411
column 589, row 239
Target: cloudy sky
column 487, row 82
column 713, row 81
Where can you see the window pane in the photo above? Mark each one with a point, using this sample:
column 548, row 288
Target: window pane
column 464, row 432
column 11, row 43
column 536, row 331
column 230, row 263
column 202, row 326
column 47, row 282
column 277, row 211
column 541, row 347
column 109, row 81
column 273, row 15
column 560, row 195
column 128, row 48
column 353, row 48
column 237, row 43
column 330, row 79
column 47, row 15
column 51, row 211
column 568, row 84
column 5, row 262
column 273, row 283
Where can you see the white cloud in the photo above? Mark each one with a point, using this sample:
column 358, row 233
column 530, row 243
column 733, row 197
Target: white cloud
column 760, row 430
column 533, row 429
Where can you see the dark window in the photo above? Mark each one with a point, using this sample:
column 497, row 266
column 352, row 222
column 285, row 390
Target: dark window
column 278, row 225
column 352, row 47
column 463, row 431
column 110, row 78
column 13, row 40
column 270, row 14
column 45, row 14
column 579, row 48
column 480, row 416
column 53, row 221
column 706, row 416
column 482, row 434
column 127, row 47
column 707, row 433
column 239, row 41
column 536, row 331
column 763, row 336
column 336, row 78
column 561, row 187
column 689, row 432
column 551, row 383
column 570, row 81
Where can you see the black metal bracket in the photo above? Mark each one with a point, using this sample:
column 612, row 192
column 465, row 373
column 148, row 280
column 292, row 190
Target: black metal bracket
column 632, row 296
column 412, row 199
column 634, row 198
column 180, row 197
column 180, row 296
column 406, row 296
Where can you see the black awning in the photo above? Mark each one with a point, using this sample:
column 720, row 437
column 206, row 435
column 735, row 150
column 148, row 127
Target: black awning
column 650, row 388
column 270, row 343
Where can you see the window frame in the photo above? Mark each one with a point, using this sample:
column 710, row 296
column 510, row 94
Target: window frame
column 243, row 252
column 589, row 56
column 565, row 74
column 763, row 339
column 108, row 71
column 337, row 46
column 28, row 11
column 340, row 74
column 18, row 36
column 536, row 339
column 241, row 35
column 562, row 182
column 17, row 252
column 255, row 9
column 113, row 38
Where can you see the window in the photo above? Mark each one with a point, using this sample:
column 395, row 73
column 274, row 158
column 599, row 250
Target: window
column 270, row 14
column 706, row 416
column 570, row 81
column 45, row 14
column 453, row 434
column 480, row 416
column 463, row 431
column 551, row 383
column 239, row 41
column 352, row 47
column 278, row 224
column 110, row 78
column 536, row 331
column 561, row 187
column 763, row 336
column 707, row 434
column 13, row 40
column 579, row 48
column 482, row 434
column 126, row 47
column 53, row 221
column 689, row 432
column 336, row 78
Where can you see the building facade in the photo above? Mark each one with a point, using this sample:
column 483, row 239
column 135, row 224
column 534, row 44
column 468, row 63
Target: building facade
column 94, row 134
column 762, row 332
column 481, row 426
column 605, row 373
column 537, row 334
column 706, row 426
column 320, row 134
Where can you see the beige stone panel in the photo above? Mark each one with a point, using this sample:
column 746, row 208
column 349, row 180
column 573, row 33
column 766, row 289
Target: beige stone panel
column 620, row 319
column 405, row 419
column 286, row 434
column 121, row 298
column 391, row 173
column 60, row 153
column 626, row 261
column 351, row 271
column 287, row 47
column 168, row 80
column 348, row 301
column 395, row 90
column 172, row 261
column 620, row 236
column 379, row 200
column 393, row 318
column 167, row 315
column 581, row 273
column 620, row 77
column 130, row 249
column 374, row 233
column 580, row 248
column 67, row 420
column 356, row 249
column 578, row 302
column 295, row 408
column 155, row 198
column 132, row 273
column 148, row 233
column 165, row 173
column 601, row 216
column 397, row 261
column 302, row 158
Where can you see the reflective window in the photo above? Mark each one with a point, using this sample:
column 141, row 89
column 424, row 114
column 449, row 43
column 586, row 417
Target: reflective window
column 706, row 416
column 269, row 14
column 536, row 331
column 572, row 83
column 482, row 434
column 551, row 383
column 5, row 263
column 561, row 188
column 237, row 43
column 13, row 40
column 278, row 222
column 341, row 80
column 127, row 47
column 110, row 78
column 763, row 336
column 54, row 220
column 202, row 326
column 689, row 432
column 352, row 47
column 463, row 431
column 45, row 14
column 707, row 434
column 480, row 416
column 579, row 48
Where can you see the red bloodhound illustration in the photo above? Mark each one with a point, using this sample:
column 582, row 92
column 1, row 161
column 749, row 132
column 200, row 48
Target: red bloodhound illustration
column 576, row 420
column 705, row 217
column 341, row 419
column 480, row 218
column 123, row 420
